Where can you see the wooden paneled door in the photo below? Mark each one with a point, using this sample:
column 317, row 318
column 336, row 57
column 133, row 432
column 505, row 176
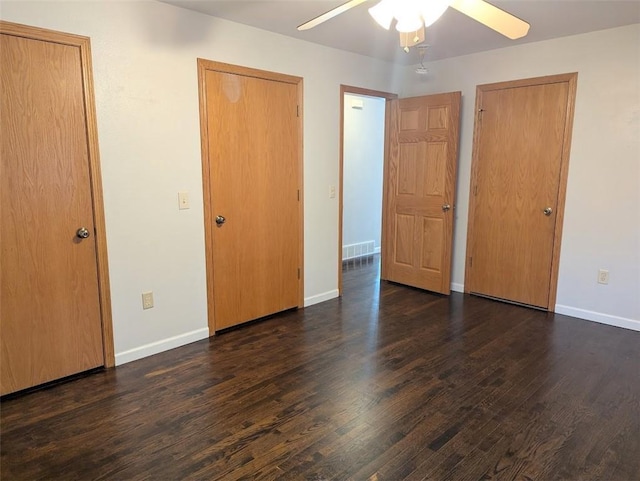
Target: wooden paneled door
column 518, row 182
column 252, row 171
column 54, row 303
column 419, row 191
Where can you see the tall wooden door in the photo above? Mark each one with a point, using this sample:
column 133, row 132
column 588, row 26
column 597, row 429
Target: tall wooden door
column 49, row 298
column 253, row 192
column 420, row 190
column 521, row 151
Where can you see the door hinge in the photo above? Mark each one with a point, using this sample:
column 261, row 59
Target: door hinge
column 298, row 195
column 297, row 111
column 298, row 273
column 475, row 189
column 470, row 261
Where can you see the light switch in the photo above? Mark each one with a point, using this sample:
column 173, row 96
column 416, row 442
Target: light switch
column 183, row 200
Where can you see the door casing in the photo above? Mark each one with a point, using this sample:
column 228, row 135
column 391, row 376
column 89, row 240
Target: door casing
column 348, row 89
column 390, row 125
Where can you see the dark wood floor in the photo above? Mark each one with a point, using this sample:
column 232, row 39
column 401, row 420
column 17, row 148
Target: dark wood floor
column 388, row 383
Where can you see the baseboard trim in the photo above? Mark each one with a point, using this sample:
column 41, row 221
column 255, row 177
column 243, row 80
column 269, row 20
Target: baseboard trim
column 598, row 317
column 317, row 299
column 161, row 346
column 583, row 314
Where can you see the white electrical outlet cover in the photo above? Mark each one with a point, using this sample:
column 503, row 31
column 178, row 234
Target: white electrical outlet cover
column 147, row 300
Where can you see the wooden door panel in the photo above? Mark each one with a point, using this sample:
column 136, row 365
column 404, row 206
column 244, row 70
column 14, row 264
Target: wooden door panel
column 438, row 117
column 408, row 165
column 404, row 239
column 518, row 159
column 253, row 153
column 432, row 238
column 51, row 321
column 410, row 119
column 434, row 178
column 420, row 181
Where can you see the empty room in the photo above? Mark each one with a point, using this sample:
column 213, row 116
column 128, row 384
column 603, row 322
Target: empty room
column 320, row 240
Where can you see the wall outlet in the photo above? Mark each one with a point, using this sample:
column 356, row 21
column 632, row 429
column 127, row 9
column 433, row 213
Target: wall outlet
column 147, row 300
column 603, row 276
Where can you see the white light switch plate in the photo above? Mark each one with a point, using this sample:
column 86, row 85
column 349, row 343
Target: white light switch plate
column 183, row 200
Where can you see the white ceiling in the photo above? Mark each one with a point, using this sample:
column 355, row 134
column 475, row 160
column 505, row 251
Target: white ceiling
column 452, row 35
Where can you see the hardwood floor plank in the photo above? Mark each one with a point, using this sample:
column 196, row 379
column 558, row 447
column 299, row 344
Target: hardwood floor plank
column 388, row 383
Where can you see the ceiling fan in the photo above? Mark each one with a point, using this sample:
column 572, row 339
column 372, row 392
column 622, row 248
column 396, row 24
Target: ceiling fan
column 413, row 15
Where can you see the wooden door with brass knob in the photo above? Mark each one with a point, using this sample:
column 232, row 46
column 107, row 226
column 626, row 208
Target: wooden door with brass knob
column 54, row 283
column 252, row 168
column 518, row 182
column 419, row 193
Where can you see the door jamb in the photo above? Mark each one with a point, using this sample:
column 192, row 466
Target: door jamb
column 84, row 46
column 203, row 66
column 572, row 80
column 347, row 89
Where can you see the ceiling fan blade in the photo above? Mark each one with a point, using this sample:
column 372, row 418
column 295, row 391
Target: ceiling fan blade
column 493, row 17
column 330, row 14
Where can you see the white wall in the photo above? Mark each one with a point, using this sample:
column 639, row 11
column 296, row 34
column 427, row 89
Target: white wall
column 144, row 59
column 362, row 170
column 602, row 212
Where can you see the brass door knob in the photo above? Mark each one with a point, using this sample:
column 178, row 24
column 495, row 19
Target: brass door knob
column 82, row 233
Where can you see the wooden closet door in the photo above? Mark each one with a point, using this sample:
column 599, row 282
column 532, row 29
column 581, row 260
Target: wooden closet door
column 253, row 191
column 50, row 315
column 522, row 139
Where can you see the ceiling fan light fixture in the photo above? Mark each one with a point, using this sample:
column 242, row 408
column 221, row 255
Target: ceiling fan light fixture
column 407, row 13
column 415, row 15
column 409, row 24
column 432, row 10
column 382, row 13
